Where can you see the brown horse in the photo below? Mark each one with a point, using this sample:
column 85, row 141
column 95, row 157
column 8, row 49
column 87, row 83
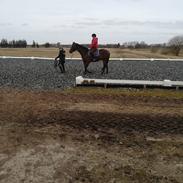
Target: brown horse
column 104, row 55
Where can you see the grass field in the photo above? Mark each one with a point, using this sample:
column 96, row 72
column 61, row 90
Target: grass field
column 115, row 52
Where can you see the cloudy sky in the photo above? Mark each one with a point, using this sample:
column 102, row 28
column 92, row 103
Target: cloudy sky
column 65, row 21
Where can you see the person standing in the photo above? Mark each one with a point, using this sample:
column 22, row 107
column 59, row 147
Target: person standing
column 61, row 61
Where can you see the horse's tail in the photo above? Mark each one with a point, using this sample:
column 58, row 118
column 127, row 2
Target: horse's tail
column 108, row 56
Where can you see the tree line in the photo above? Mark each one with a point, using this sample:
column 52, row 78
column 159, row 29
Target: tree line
column 13, row 44
column 173, row 46
column 22, row 43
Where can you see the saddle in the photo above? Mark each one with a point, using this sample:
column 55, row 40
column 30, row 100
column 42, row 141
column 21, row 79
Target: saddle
column 94, row 55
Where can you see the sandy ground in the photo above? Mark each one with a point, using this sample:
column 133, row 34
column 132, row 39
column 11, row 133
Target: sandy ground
column 115, row 52
column 52, row 136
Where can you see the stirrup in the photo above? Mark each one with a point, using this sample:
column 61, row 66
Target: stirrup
column 94, row 59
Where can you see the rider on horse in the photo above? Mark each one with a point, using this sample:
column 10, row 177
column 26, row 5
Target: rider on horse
column 94, row 47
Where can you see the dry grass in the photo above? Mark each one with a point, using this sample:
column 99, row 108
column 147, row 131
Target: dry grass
column 36, row 52
column 52, row 52
column 154, row 93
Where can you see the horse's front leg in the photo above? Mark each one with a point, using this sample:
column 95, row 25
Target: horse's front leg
column 86, row 68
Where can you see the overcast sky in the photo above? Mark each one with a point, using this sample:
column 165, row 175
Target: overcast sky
column 65, row 21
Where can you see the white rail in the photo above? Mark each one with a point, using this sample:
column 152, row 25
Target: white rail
column 121, row 59
column 165, row 83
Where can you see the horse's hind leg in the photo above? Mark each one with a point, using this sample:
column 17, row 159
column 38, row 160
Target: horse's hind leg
column 107, row 67
column 103, row 69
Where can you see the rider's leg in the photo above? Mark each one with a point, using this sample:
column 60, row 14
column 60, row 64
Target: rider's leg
column 93, row 50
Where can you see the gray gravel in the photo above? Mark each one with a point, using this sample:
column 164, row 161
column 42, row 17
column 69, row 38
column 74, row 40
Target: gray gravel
column 40, row 74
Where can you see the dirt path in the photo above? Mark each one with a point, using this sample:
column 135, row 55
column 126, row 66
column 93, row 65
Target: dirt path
column 65, row 137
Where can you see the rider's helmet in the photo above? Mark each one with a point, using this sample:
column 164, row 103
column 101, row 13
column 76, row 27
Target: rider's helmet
column 94, row 35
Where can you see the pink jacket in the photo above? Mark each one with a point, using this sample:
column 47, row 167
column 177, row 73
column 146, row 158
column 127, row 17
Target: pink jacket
column 94, row 43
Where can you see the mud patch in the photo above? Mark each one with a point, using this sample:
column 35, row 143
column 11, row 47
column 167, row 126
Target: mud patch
column 53, row 137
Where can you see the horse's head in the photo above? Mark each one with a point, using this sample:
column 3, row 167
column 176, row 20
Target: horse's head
column 73, row 47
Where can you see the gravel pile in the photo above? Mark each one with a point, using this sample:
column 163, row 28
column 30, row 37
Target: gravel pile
column 40, row 74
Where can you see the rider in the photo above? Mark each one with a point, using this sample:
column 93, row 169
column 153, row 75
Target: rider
column 61, row 57
column 93, row 46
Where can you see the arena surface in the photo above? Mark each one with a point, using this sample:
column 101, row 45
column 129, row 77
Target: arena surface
column 40, row 74
column 89, row 135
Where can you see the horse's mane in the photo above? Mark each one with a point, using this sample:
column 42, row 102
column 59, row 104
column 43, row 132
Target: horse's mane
column 82, row 46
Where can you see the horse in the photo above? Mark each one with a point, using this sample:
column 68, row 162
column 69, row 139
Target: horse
column 104, row 55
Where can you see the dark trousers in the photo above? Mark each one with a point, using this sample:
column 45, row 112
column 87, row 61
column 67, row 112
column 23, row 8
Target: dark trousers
column 61, row 66
column 60, row 63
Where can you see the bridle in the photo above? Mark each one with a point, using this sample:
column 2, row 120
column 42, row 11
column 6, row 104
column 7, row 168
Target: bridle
column 72, row 54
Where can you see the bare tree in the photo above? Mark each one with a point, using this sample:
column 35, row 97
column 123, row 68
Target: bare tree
column 4, row 43
column 175, row 44
column 33, row 44
column 47, row 45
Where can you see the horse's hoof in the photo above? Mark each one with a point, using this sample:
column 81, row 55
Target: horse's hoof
column 87, row 72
